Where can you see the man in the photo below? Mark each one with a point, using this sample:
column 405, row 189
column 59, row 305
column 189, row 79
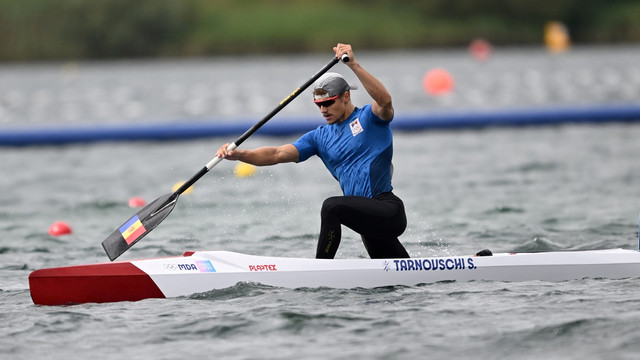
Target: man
column 356, row 147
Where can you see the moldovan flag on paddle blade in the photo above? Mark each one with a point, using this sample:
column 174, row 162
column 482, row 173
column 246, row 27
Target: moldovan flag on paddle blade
column 132, row 229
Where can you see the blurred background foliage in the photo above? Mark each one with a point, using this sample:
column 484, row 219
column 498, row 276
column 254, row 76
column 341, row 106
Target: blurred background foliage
column 32, row 30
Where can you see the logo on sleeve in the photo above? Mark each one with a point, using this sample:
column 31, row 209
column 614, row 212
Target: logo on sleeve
column 356, row 128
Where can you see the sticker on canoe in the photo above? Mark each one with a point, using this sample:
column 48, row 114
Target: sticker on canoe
column 132, row 229
column 203, row 266
column 434, row 264
column 270, row 267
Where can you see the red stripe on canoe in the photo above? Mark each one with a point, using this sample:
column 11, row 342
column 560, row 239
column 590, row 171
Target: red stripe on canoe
column 95, row 283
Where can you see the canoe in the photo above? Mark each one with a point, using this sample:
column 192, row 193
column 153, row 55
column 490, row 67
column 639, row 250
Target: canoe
column 203, row 271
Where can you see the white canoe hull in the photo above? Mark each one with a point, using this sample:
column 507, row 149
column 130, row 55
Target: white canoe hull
column 202, row 271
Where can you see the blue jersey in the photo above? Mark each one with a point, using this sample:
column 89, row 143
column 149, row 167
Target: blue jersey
column 356, row 151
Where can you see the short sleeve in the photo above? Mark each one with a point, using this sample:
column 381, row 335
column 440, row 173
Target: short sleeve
column 306, row 146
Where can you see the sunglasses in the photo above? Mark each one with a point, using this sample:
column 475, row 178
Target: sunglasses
column 327, row 102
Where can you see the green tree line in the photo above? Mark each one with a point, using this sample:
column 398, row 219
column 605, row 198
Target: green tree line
column 98, row 29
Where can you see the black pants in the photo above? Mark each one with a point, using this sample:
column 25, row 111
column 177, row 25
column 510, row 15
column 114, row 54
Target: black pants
column 379, row 221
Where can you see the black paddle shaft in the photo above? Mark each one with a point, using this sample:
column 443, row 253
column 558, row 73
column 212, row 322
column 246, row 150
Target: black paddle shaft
column 139, row 225
column 258, row 125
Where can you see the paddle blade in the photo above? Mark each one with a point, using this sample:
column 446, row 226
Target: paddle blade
column 139, row 225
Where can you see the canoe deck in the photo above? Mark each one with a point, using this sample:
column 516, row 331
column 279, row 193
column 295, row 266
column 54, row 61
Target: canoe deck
column 202, row 271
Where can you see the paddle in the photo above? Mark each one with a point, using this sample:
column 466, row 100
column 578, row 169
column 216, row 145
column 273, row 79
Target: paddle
column 152, row 215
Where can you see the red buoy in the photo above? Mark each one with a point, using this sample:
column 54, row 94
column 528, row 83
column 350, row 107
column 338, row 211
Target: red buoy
column 137, row 202
column 59, row 228
column 480, row 49
column 437, row 82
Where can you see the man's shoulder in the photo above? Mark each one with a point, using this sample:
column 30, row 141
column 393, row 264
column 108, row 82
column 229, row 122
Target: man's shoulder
column 366, row 109
column 366, row 113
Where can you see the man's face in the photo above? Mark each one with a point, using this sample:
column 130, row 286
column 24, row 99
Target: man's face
column 333, row 109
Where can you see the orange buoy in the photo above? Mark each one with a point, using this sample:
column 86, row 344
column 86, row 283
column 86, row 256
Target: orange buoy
column 437, row 82
column 137, row 202
column 556, row 37
column 59, row 228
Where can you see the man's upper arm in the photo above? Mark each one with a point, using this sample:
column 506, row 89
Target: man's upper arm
column 287, row 153
column 383, row 112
